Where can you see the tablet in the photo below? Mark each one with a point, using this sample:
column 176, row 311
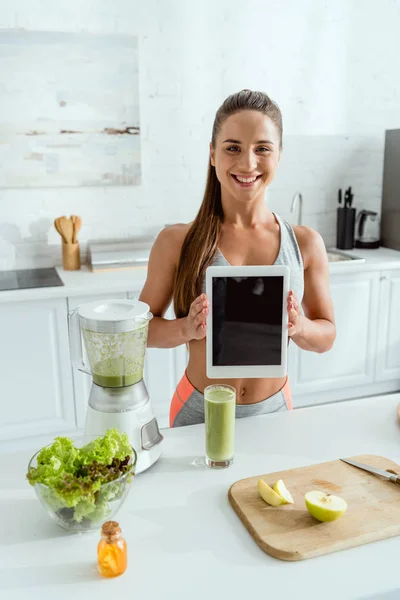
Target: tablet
column 247, row 325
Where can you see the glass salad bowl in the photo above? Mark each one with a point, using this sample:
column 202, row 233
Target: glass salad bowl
column 83, row 481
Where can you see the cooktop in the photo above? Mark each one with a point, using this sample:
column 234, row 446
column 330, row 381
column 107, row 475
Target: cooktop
column 29, row 278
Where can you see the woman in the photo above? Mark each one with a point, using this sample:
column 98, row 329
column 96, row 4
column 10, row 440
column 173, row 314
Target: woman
column 235, row 227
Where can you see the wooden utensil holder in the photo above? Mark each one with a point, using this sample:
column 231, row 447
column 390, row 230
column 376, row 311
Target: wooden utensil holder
column 71, row 257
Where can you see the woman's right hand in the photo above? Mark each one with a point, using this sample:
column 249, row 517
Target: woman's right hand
column 197, row 318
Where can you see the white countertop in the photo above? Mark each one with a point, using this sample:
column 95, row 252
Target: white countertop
column 85, row 282
column 184, row 539
column 378, row 259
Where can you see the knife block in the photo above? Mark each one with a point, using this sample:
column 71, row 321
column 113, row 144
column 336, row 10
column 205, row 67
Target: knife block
column 345, row 225
column 71, row 257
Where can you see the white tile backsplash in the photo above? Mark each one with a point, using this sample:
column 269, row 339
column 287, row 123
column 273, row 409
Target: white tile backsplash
column 318, row 166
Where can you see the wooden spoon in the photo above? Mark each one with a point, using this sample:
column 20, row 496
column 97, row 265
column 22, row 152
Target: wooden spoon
column 77, row 227
column 73, row 217
column 67, row 228
column 59, row 229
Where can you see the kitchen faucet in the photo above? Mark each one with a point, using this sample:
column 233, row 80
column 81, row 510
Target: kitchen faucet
column 298, row 197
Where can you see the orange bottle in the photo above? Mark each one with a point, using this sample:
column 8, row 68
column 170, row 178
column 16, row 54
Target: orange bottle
column 111, row 551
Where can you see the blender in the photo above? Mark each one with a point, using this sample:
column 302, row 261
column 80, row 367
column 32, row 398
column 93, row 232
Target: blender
column 114, row 334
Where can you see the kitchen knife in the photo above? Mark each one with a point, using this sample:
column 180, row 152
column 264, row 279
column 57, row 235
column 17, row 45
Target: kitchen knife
column 351, row 195
column 390, row 475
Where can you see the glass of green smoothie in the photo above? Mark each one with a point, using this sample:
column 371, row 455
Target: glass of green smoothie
column 219, row 411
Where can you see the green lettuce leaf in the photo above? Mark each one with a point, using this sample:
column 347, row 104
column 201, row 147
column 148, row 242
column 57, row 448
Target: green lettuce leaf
column 113, row 444
column 54, row 462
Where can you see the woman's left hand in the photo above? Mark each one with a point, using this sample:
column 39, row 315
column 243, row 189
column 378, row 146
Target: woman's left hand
column 295, row 315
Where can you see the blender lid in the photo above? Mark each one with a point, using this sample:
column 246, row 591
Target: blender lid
column 113, row 315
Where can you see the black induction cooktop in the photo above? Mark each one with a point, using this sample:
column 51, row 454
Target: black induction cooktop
column 29, row 278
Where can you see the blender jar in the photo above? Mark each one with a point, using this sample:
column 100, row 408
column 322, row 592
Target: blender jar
column 114, row 333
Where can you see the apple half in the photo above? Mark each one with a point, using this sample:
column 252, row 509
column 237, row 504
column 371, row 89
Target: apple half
column 325, row 507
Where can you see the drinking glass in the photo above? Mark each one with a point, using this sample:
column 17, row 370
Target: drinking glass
column 219, row 411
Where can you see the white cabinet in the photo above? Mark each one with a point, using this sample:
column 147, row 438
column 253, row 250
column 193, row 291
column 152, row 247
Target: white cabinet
column 351, row 362
column 388, row 354
column 82, row 381
column 36, row 379
column 43, row 395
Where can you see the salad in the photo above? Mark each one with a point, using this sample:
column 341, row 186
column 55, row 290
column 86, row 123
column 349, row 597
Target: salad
column 72, row 479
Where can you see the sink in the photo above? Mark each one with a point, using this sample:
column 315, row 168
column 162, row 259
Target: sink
column 338, row 256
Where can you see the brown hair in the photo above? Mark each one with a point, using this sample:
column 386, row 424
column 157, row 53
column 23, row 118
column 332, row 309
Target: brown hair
column 201, row 241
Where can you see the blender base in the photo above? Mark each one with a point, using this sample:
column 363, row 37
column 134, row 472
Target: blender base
column 130, row 422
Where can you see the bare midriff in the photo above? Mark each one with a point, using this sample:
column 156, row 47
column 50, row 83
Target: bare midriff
column 248, row 391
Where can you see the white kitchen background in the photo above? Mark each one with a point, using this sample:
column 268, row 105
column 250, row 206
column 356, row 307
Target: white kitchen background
column 331, row 66
column 333, row 69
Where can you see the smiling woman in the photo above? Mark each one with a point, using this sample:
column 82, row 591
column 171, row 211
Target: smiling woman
column 235, row 227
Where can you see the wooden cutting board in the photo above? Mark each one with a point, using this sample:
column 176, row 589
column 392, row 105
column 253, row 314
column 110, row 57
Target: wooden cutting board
column 289, row 532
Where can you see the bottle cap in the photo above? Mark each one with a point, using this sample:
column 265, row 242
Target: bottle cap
column 111, row 529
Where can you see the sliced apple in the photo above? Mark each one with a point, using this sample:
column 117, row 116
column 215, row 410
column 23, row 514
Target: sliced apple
column 269, row 495
column 325, row 507
column 283, row 492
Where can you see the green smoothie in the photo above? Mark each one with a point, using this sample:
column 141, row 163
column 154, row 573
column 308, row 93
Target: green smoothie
column 117, row 359
column 219, row 408
column 115, row 372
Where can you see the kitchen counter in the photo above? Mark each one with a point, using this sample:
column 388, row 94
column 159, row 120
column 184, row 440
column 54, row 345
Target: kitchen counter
column 85, row 282
column 378, row 259
column 184, row 539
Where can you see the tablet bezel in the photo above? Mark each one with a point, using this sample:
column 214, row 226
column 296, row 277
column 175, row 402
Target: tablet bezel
column 247, row 371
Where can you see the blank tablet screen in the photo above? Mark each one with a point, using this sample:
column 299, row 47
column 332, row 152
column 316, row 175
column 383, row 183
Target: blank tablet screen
column 247, row 320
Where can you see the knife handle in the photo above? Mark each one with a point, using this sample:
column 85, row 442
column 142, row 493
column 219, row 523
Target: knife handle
column 397, row 480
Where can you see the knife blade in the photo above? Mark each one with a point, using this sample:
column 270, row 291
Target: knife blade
column 379, row 472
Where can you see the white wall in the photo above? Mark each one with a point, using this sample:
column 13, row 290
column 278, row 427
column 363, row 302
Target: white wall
column 332, row 67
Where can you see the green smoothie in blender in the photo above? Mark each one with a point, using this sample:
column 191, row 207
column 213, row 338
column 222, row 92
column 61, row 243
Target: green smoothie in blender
column 114, row 372
column 117, row 359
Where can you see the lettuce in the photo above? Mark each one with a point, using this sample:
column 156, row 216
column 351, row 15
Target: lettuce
column 54, row 462
column 104, row 450
column 70, row 479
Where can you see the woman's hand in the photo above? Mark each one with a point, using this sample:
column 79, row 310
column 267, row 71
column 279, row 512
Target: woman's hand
column 196, row 319
column 295, row 316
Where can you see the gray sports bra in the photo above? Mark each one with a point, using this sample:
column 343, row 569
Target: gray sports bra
column 289, row 254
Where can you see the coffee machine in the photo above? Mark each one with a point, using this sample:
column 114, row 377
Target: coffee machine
column 112, row 336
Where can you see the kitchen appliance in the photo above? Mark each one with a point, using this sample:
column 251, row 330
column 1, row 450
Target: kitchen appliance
column 386, row 474
column 289, row 532
column 114, row 335
column 23, row 279
column 119, row 254
column 390, row 213
column 367, row 230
